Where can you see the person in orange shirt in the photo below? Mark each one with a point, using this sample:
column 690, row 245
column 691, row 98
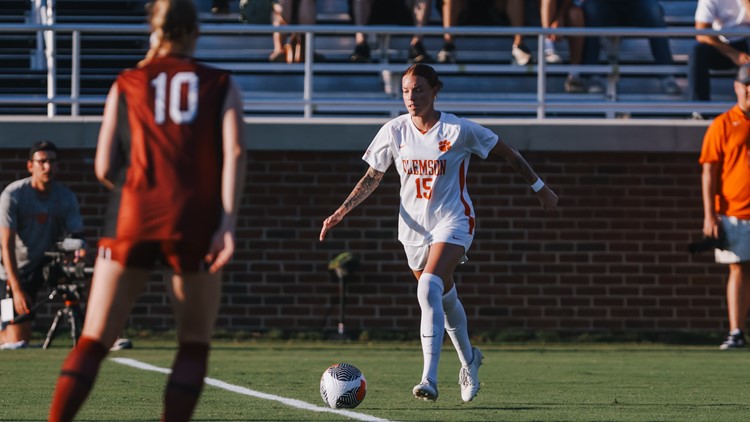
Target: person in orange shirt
column 726, row 202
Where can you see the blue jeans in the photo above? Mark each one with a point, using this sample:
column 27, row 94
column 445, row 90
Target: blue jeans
column 637, row 13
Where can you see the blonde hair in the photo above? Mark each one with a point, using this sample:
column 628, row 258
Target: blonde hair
column 174, row 22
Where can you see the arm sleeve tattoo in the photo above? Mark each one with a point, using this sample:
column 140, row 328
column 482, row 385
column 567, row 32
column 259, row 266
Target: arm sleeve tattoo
column 363, row 189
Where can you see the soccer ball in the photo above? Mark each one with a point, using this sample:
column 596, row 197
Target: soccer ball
column 342, row 386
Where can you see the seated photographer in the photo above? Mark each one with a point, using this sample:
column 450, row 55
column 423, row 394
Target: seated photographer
column 35, row 212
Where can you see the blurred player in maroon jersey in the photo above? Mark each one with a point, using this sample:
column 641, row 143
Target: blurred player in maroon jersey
column 170, row 148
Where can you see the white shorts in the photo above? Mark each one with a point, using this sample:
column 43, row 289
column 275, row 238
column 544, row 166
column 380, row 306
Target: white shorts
column 417, row 256
column 737, row 234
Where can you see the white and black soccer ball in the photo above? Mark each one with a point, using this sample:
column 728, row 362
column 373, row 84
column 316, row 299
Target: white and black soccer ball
column 343, row 386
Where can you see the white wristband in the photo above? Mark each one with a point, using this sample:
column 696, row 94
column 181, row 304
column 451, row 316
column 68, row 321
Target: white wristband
column 538, row 185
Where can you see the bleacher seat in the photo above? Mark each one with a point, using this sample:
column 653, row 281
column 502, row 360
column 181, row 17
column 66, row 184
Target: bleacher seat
column 103, row 55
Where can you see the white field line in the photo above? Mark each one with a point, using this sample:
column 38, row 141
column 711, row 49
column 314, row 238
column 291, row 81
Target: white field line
column 299, row 404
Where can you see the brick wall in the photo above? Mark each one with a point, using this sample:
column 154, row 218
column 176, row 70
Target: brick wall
column 612, row 259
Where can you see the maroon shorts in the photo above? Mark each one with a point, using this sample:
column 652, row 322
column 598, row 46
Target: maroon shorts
column 182, row 256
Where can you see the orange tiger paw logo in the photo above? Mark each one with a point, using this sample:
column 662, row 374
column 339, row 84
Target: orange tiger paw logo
column 444, row 146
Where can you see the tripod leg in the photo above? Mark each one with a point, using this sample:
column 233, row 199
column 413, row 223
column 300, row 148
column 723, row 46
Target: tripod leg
column 342, row 293
column 75, row 318
column 52, row 329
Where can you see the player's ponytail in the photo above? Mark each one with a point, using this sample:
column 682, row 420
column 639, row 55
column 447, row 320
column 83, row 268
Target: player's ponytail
column 173, row 22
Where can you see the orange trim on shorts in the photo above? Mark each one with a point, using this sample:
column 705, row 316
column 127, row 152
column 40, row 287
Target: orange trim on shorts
column 467, row 208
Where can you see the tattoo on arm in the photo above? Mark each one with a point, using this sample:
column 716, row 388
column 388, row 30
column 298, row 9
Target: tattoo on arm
column 364, row 188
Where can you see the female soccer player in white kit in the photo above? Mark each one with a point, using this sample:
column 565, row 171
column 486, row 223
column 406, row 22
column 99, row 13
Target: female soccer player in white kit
column 431, row 151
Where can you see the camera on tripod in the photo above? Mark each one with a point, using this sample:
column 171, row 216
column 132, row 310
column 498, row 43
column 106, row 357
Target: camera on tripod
column 65, row 271
column 64, row 267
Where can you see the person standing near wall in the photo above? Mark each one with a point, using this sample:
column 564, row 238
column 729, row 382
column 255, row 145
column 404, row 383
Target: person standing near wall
column 431, row 151
column 35, row 212
column 725, row 158
column 181, row 123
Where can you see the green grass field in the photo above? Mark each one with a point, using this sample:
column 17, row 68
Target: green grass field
column 519, row 383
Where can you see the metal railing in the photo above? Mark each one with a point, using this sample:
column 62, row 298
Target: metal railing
column 540, row 105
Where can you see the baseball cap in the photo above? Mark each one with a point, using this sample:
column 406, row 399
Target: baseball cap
column 743, row 75
column 41, row 146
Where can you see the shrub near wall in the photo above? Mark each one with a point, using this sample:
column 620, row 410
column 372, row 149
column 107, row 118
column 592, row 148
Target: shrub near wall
column 613, row 258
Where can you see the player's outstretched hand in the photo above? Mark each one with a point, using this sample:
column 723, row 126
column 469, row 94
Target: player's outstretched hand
column 548, row 198
column 221, row 250
column 329, row 222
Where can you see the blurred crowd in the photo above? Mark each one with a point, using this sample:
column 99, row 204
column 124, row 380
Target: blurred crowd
column 707, row 54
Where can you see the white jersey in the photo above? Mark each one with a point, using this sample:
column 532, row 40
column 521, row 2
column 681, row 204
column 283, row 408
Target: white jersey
column 723, row 14
column 433, row 168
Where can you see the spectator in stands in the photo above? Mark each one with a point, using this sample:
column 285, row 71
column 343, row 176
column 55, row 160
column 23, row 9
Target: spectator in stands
column 462, row 12
column 431, row 151
column 556, row 14
column 35, row 213
column 219, row 7
column 360, row 11
column 177, row 207
column 291, row 12
column 726, row 202
column 450, row 11
column 638, row 13
column 367, row 12
column 713, row 51
column 516, row 12
column 552, row 13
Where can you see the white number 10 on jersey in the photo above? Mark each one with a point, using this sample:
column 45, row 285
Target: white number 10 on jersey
column 176, row 114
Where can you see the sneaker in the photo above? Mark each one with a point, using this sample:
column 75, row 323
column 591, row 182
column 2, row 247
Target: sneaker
column 468, row 377
column 551, row 56
column 121, row 344
column 447, row 54
column 696, row 116
column 14, row 345
column 595, row 85
column 670, row 87
column 418, row 54
column 425, row 390
column 361, row 53
column 735, row 340
column 521, row 55
column 574, row 85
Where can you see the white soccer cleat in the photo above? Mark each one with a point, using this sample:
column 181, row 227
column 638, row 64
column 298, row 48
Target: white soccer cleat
column 468, row 377
column 426, row 390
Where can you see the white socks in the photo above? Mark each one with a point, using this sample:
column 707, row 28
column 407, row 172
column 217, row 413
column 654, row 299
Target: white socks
column 432, row 327
column 439, row 313
column 455, row 324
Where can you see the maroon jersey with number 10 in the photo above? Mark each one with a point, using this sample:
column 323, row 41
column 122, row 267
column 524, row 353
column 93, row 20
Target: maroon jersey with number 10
column 170, row 115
